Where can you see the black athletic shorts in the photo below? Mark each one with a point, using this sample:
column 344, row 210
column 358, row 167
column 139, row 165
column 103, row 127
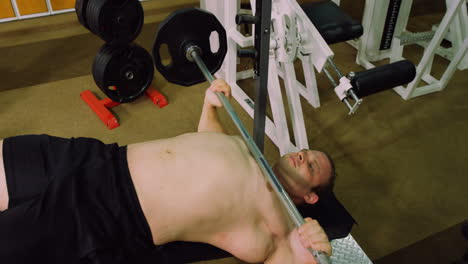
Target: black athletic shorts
column 71, row 201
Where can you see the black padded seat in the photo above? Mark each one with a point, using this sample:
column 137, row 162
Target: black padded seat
column 333, row 24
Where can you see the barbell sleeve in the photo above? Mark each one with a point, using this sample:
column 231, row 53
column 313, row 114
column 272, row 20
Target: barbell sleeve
column 319, row 256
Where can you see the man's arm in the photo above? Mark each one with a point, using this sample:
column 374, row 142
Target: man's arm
column 294, row 248
column 289, row 250
column 209, row 121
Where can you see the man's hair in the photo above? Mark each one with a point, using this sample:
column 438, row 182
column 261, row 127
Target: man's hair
column 327, row 188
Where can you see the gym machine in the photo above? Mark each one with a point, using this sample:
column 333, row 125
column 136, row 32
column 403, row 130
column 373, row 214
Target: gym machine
column 300, row 33
column 385, row 36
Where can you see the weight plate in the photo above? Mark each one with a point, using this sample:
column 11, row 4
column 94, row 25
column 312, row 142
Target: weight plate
column 123, row 73
column 92, row 15
column 190, row 26
column 115, row 21
column 80, row 8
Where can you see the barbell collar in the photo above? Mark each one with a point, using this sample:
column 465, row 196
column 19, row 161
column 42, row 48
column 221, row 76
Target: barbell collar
column 190, row 48
column 194, row 52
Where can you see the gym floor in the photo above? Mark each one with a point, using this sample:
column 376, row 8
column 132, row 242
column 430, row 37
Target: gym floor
column 401, row 164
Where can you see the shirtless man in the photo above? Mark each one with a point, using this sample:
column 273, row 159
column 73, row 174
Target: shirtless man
column 79, row 200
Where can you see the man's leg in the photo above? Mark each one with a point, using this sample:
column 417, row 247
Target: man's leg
column 63, row 204
column 24, row 169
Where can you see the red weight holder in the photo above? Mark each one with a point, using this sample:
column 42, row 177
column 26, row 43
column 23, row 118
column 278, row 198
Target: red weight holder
column 101, row 107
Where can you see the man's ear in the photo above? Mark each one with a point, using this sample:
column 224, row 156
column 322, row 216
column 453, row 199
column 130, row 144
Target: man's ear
column 311, row 198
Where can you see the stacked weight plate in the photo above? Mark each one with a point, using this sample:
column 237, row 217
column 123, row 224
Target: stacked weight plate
column 122, row 70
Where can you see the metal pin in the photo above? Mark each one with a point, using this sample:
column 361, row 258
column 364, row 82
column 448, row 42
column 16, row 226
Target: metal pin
column 338, row 72
column 354, row 96
column 330, row 77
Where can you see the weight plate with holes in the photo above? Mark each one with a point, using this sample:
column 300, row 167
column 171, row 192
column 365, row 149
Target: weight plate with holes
column 115, row 21
column 80, row 8
column 123, row 72
column 185, row 27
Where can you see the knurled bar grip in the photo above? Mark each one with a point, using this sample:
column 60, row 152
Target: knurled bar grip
column 320, row 257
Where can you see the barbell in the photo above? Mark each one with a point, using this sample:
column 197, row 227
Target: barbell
column 186, row 33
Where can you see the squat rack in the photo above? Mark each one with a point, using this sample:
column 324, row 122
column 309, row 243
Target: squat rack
column 260, row 54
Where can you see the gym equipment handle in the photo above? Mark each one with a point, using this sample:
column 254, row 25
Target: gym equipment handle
column 319, row 256
column 247, row 53
column 246, row 19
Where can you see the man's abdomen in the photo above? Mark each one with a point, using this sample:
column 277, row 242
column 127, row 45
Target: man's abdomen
column 192, row 186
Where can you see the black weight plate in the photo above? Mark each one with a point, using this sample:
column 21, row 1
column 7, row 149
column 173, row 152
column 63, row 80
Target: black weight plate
column 123, row 72
column 92, row 14
column 115, row 21
column 80, row 8
column 100, row 63
column 183, row 27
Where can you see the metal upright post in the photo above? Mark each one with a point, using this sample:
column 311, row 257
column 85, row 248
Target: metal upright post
column 262, row 47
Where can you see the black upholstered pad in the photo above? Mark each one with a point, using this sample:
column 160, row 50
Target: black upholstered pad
column 333, row 24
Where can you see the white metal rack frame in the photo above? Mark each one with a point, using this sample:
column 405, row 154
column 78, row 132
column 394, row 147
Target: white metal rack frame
column 453, row 27
column 289, row 21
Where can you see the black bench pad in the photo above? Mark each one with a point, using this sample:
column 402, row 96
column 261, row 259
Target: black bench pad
column 333, row 24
